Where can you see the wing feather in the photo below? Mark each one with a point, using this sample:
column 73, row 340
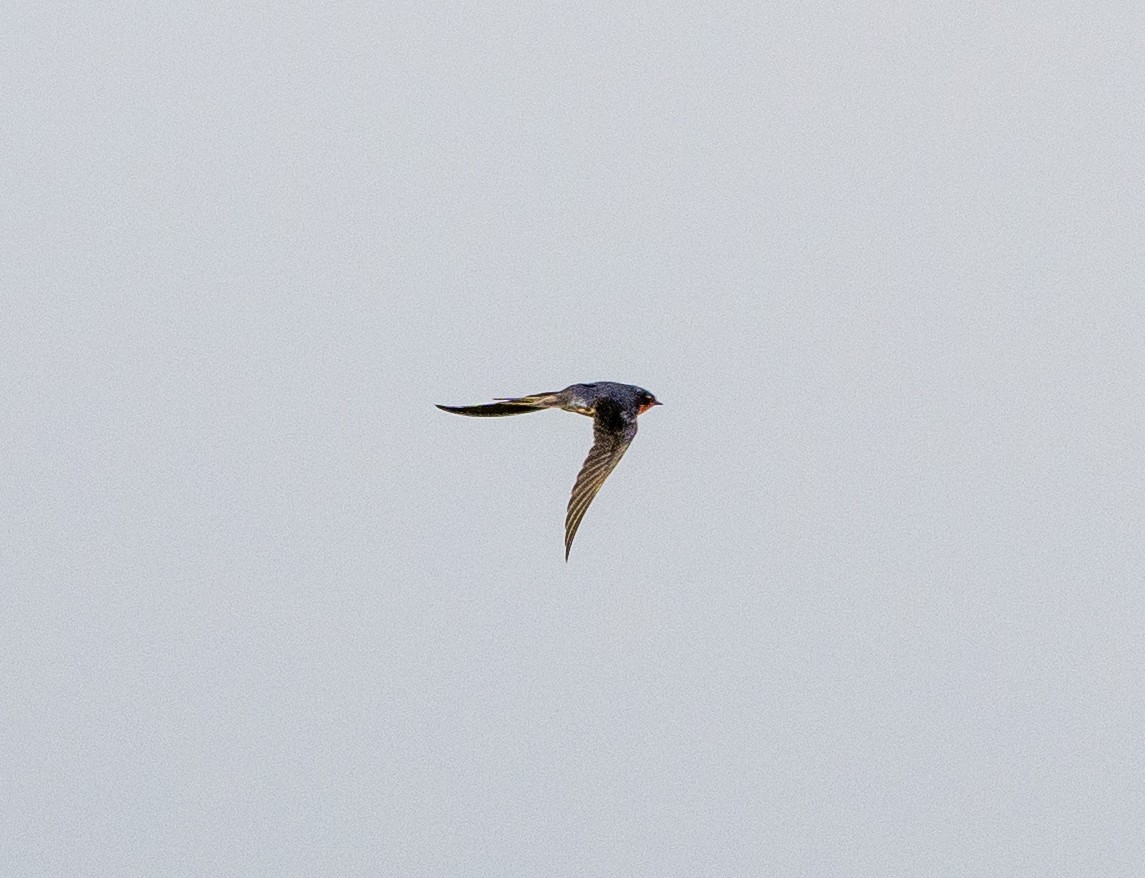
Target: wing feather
column 611, row 438
column 516, row 406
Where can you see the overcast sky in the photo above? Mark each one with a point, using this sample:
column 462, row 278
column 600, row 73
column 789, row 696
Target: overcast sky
column 866, row 597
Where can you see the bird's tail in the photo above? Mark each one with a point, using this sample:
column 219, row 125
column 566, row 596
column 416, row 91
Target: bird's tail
column 518, row 406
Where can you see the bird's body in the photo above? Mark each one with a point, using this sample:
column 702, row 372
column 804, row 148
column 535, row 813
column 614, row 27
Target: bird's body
column 613, row 408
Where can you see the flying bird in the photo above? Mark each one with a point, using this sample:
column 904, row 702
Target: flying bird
column 613, row 408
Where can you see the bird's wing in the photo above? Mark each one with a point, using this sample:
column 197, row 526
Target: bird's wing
column 517, row 406
column 611, row 438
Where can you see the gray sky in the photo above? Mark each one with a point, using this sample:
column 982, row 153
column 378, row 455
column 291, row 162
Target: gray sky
column 864, row 598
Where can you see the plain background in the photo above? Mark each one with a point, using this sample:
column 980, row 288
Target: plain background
column 864, row 598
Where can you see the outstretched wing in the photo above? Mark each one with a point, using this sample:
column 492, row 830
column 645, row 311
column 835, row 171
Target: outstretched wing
column 518, row 406
column 492, row 410
column 612, row 434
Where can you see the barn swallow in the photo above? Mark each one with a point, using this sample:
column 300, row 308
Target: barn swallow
column 613, row 409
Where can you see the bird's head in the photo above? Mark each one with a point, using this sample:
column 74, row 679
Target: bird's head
column 645, row 401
